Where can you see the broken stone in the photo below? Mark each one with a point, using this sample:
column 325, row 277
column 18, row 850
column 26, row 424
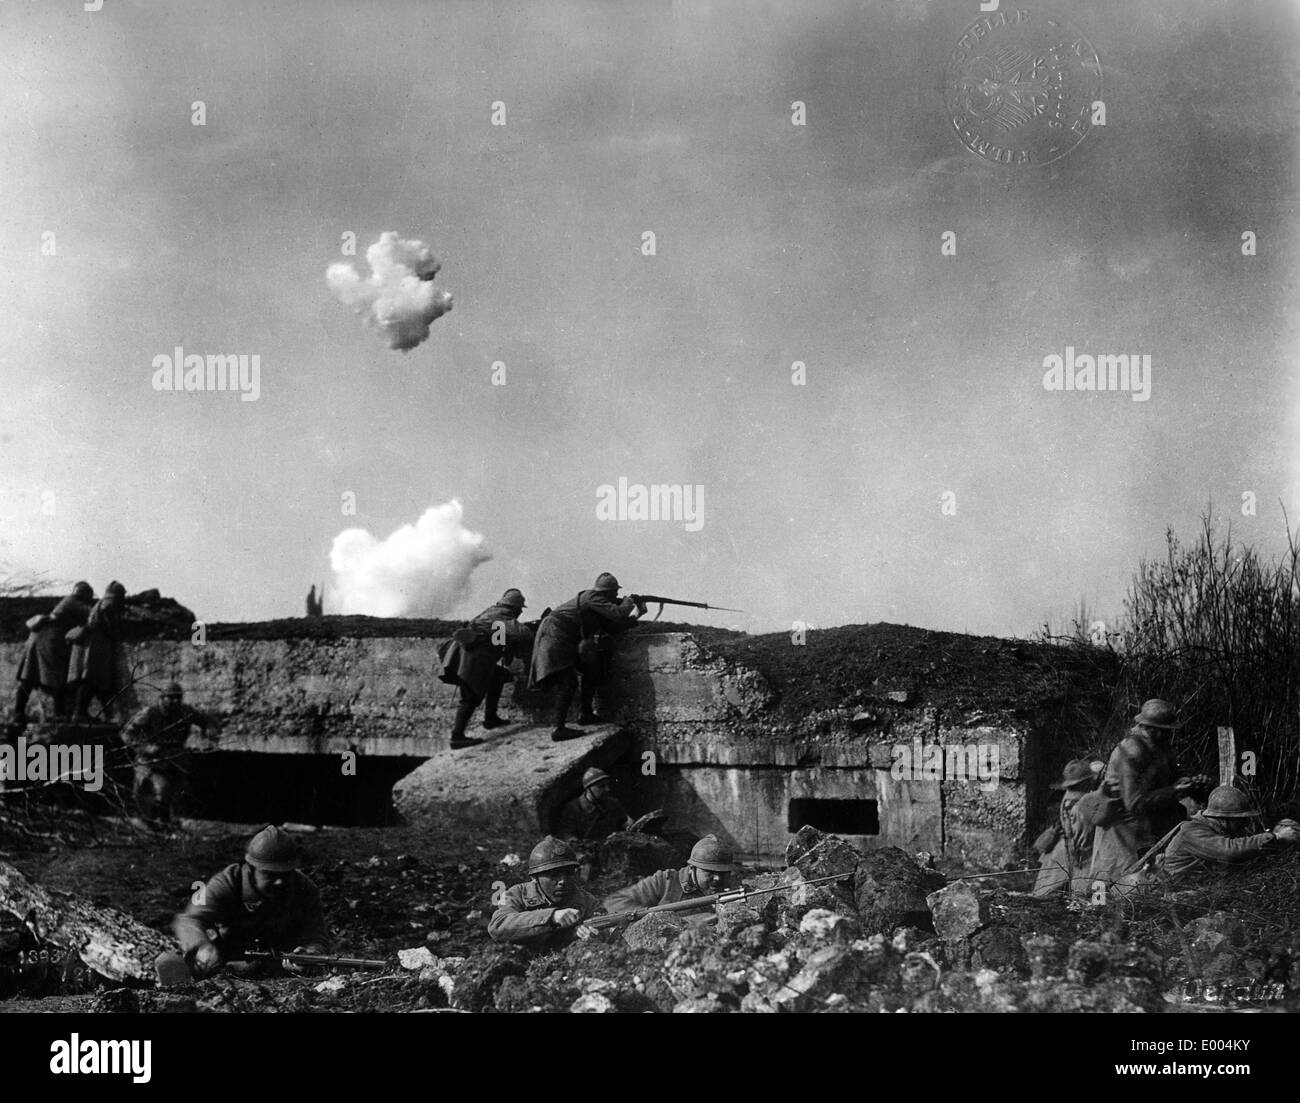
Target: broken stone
column 417, row 958
column 1090, row 963
column 592, row 1004
column 738, row 914
column 957, row 910
column 864, row 720
column 826, row 971
column 1213, row 933
column 828, row 926
column 627, row 856
column 891, row 891
column 331, row 984
column 997, row 947
column 475, row 983
column 699, row 1005
column 511, row 860
column 818, row 854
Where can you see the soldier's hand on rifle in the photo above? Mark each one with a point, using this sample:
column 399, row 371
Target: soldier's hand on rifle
column 207, row 959
column 293, row 966
column 565, row 917
column 585, row 932
column 1287, row 830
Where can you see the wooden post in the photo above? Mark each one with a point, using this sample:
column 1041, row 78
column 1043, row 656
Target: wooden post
column 1227, row 756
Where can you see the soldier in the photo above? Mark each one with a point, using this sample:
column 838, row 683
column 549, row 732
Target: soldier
column 1217, row 838
column 1066, row 848
column 1144, row 790
column 477, row 661
column 45, row 658
column 576, row 639
column 596, row 812
column 548, row 911
column 92, row 664
column 707, row 872
column 156, row 738
column 263, row 902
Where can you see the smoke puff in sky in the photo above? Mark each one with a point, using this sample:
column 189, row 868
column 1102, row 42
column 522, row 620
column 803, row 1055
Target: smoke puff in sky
column 419, row 570
column 398, row 296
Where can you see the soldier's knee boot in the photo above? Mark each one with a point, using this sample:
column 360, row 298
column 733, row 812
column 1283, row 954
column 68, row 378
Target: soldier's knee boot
column 468, row 703
column 20, row 703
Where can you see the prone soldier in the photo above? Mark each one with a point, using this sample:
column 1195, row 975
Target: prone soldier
column 548, row 911
column 264, row 901
column 1219, row 837
column 707, row 873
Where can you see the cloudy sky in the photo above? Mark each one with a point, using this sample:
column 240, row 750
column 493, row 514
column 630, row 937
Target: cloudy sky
column 774, row 243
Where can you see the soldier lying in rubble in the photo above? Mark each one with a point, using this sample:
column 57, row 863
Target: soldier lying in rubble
column 265, row 903
column 548, row 911
column 1220, row 837
column 707, row 872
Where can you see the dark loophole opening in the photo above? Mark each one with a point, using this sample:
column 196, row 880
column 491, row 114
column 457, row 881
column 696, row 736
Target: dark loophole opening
column 844, row 817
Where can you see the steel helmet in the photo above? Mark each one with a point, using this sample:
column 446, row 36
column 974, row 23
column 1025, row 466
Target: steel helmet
column 513, row 598
column 606, row 581
column 1229, row 804
column 1158, row 714
column 83, row 591
column 593, row 777
column 273, row 850
column 551, row 853
column 710, row 854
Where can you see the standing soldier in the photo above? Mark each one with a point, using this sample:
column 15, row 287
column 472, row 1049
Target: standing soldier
column 1143, row 790
column 45, row 658
column 1067, row 847
column 477, row 661
column 577, row 639
column 156, row 738
column 264, row 902
column 92, row 665
column 1218, row 837
column 707, row 873
column 548, row 911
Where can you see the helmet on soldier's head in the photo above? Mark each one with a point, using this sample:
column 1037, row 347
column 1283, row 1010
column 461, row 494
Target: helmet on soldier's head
column 593, row 777
column 513, row 597
column 708, row 853
column 273, row 850
column 1229, row 804
column 115, row 588
column 1158, row 714
column 606, row 581
column 84, row 591
column 551, row 853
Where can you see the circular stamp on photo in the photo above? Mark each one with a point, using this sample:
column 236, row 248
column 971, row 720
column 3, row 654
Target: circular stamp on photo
column 1020, row 86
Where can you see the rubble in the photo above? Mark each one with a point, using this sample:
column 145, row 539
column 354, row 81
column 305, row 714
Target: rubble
column 890, row 889
column 958, row 910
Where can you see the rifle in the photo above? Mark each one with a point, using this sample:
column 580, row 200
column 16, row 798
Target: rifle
column 655, row 599
column 729, row 897
column 319, row 959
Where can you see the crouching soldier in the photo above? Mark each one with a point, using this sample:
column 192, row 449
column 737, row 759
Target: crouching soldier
column 1066, row 847
column 548, row 911
column 261, row 903
column 707, row 873
column 1220, row 836
column 156, row 737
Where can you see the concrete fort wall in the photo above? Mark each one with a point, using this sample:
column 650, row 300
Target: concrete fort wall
column 708, row 742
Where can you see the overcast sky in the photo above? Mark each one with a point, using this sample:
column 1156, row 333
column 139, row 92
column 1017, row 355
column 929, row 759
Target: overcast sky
column 775, row 243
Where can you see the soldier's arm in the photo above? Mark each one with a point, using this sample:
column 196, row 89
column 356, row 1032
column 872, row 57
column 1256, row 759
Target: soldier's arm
column 211, row 906
column 512, row 923
column 618, row 615
column 1219, row 848
column 136, row 730
column 644, row 894
column 1135, row 786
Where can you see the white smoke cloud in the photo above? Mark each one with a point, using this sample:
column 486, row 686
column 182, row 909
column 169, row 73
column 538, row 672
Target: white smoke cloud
column 398, row 296
column 420, row 570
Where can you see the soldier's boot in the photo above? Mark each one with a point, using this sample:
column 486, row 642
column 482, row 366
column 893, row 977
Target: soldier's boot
column 20, row 705
column 563, row 699
column 491, row 717
column 81, row 711
column 468, row 703
column 588, row 716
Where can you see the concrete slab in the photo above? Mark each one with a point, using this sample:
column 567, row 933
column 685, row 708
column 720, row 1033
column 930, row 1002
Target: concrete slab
column 511, row 783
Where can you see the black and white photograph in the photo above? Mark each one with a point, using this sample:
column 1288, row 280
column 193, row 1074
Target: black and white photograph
column 524, row 507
